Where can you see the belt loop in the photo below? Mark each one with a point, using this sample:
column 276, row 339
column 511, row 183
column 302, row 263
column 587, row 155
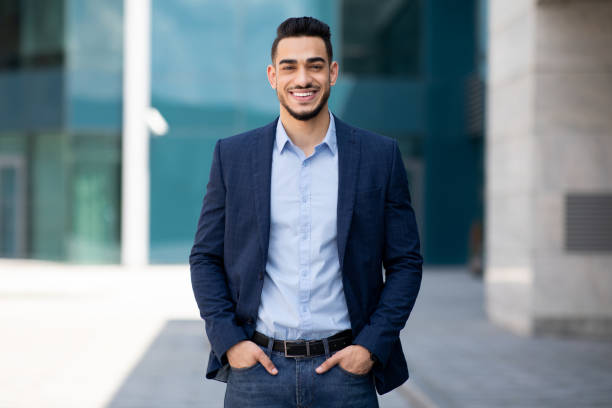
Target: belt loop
column 326, row 347
column 270, row 345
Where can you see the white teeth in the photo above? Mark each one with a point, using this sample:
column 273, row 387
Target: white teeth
column 302, row 93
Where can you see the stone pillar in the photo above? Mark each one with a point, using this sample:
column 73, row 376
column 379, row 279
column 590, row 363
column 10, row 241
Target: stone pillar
column 549, row 141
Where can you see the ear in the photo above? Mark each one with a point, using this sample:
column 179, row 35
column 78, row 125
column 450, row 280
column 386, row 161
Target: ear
column 333, row 73
column 272, row 76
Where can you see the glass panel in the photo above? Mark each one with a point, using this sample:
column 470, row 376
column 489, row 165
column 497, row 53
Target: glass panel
column 94, row 231
column 8, row 213
column 42, row 32
column 383, row 39
column 31, row 33
column 13, row 206
column 72, row 208
column 31, row 58
column 49, row 196
column 9, row 33
column 94, row 65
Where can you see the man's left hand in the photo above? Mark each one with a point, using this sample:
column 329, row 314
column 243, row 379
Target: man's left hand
column 355, row 359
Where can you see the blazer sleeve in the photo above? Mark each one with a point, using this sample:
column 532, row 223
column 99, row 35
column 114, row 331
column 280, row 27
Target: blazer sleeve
column 403, row 267
column 208, row 277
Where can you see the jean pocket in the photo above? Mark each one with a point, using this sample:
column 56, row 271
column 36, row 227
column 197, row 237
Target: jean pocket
column 346, row 372
column 244, row 369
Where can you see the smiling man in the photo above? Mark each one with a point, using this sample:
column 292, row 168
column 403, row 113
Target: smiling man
column 298, row 219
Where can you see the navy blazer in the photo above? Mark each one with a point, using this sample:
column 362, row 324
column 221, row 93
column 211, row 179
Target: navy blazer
column 376, row 226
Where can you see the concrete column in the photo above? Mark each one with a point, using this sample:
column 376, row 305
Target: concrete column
column 549, row 134
column 135, row 153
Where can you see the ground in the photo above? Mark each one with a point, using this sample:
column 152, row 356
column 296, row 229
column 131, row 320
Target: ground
column 107, row 336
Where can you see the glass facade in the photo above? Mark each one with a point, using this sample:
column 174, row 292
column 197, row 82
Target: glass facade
column 405, row 70
column 60, row 121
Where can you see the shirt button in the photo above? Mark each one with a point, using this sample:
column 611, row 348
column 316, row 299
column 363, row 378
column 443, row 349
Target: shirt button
column 304, row 199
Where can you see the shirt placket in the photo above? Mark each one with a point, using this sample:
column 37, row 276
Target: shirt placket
column 305, row 223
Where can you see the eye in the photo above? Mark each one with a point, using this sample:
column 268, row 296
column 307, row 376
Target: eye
column 287, row 68
column 317, row 67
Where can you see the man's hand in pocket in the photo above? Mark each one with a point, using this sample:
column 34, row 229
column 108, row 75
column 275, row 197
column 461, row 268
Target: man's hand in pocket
column 246, row 354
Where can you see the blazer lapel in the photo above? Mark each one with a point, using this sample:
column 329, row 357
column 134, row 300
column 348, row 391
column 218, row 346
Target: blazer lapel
column 348, row 167
column 261, row 165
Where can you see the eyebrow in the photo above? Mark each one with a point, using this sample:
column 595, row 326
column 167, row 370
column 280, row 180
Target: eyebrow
column 294, row 61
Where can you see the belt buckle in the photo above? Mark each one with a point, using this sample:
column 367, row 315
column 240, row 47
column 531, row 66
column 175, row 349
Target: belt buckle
column 297, row 355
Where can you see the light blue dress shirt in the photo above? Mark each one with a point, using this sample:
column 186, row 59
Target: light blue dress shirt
column 302, row 295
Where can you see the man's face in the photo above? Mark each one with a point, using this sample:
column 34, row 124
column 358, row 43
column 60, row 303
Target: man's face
column 302, row 76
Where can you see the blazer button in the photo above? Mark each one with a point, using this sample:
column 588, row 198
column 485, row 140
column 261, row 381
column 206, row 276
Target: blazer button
column 250, row 321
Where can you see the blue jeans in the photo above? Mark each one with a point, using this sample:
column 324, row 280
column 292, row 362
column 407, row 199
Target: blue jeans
column 297, row 385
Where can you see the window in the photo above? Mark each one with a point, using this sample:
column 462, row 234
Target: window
column 381, row 38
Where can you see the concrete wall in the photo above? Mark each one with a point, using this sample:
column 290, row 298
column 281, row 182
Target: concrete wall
column 549, row 133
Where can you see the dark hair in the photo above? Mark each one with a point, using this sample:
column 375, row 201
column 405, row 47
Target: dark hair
column 303, row 27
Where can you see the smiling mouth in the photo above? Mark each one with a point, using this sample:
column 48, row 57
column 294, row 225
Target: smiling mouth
column 302, row 95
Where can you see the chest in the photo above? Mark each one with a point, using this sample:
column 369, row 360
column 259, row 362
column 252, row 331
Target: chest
column 304, row 190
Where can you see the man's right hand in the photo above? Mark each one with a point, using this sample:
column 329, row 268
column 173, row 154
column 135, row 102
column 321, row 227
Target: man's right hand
column 246, row 354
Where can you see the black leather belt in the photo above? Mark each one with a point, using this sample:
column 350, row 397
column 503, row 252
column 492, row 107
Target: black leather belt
column 306, row 348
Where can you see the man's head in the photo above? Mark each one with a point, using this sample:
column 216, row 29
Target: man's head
column 303, row 27
column 302, row 69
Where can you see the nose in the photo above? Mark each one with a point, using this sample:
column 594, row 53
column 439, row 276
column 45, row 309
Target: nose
column 302, row 78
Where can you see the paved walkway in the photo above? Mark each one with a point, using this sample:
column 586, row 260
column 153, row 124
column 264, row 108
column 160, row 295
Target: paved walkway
column 75, row 336
column 106, row 337
column 459, row 359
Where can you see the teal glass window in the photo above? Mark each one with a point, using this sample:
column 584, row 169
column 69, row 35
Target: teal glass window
column 382, row 38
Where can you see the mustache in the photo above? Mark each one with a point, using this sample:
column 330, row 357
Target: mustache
column 309, row 86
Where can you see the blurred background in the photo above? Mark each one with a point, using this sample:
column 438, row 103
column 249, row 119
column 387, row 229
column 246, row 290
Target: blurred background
column 409, row 70
column 503, row 113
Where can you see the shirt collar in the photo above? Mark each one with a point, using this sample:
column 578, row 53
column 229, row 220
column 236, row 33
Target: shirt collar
column 330, row 137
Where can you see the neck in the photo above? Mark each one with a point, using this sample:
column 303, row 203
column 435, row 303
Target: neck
column 306, row 134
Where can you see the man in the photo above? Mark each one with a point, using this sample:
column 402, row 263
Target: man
column 298, row 218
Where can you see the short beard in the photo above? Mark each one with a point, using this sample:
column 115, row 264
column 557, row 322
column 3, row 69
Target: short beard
column 307, row 115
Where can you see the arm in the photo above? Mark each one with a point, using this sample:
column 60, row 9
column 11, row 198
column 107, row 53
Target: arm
column 208, row 277
column 402, row 262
